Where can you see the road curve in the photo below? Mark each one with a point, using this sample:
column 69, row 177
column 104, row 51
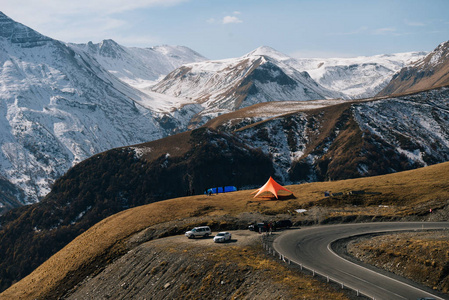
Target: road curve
column 311, row 248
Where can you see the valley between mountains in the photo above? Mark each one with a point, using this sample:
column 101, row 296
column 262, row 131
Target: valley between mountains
column 105, row 149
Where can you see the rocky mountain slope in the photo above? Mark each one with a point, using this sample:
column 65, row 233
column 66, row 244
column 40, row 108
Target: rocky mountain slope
column 429, row 72
column 60, row 106
column 350, row 139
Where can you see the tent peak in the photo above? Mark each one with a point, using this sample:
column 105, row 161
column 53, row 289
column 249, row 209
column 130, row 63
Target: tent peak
column 273, row 187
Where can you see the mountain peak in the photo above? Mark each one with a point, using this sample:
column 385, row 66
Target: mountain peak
column 18, row 33
column 267, row 51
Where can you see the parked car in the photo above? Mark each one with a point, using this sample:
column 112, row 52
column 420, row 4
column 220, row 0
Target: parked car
column 222, row 237
column 282, row 224
column 198, row 231
column 259, row 227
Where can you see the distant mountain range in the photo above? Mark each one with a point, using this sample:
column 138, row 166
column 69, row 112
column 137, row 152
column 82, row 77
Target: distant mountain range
column 265, row 75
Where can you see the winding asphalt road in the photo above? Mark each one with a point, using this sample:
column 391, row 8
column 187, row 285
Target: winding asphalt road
column 311, row 248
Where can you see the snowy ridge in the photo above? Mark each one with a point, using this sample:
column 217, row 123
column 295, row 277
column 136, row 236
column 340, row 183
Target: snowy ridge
column 435, row 58
column 139, row 67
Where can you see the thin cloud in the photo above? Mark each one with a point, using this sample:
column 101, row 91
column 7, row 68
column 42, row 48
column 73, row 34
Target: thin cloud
column 414, row 23
column 384, row 31
column 231, row 20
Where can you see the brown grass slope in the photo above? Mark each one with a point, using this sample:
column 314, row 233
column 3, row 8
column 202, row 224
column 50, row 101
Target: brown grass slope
column 406, row 193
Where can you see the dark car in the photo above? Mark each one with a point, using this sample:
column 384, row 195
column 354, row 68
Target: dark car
column 282, row 224
column 258, row 227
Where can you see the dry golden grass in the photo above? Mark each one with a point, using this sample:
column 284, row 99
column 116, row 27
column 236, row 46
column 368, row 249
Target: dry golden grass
column 404, row 192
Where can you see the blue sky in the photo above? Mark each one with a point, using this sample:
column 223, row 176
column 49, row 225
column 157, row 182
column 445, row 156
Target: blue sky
column 230, row 28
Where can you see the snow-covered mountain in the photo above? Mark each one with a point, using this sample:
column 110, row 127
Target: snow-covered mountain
column 358, row 77
column 139, row 67
column 59, row 106
column 227, row 85
column 429, row 72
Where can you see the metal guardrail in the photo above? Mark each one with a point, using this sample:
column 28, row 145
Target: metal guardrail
column 267, row 247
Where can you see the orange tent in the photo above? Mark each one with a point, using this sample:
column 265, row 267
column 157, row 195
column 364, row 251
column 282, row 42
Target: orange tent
column 272, row 187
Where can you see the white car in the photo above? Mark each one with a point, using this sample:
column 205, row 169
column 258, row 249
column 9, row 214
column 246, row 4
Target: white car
column 198, row 231
column 222, row 237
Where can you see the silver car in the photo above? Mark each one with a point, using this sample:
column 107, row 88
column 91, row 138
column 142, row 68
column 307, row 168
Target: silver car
column 198, row 231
